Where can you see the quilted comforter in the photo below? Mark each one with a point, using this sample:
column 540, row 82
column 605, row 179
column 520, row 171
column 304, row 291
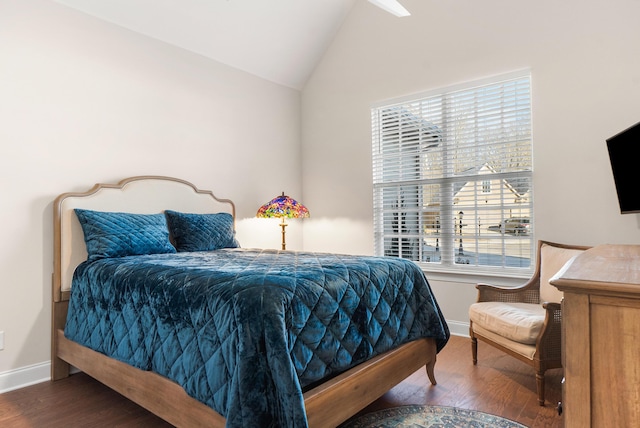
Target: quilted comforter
column 246, row 331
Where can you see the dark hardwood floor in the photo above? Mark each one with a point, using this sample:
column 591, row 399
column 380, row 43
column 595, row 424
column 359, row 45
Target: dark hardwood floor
column 499, row 385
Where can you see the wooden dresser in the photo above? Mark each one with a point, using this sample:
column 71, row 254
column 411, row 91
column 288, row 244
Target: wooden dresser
column 601, row 337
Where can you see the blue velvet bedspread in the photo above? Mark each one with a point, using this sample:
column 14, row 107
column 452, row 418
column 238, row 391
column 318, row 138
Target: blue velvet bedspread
column 245, row 331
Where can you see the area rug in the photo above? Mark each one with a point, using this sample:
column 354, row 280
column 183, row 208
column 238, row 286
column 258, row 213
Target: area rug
column 430, row 417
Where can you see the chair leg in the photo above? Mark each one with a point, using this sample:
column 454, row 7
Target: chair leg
column 474, row 345
column 474, row 350
column 540, row 387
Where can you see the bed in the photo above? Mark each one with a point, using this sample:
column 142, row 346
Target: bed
column 266, row 337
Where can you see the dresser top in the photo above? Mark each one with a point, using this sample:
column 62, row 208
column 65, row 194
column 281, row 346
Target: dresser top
column 609, row 268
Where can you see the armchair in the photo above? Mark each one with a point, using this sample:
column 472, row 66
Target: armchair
column 525, row 321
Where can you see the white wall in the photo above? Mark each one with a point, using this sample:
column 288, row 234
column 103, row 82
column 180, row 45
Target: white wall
column 584, row 58
column 81, row 102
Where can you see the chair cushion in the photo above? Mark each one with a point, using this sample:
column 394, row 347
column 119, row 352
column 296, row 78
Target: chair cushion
column 527, row 351
column 552, row 259
column 520, row 322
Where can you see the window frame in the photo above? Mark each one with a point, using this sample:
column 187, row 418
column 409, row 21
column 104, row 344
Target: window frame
column 447, row 207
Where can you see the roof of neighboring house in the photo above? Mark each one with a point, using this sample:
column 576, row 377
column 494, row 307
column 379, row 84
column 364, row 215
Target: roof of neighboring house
column 519, row 186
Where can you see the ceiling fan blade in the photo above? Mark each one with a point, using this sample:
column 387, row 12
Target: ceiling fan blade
column 391, row 6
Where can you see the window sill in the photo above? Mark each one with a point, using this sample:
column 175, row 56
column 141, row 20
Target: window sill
column 476, row 275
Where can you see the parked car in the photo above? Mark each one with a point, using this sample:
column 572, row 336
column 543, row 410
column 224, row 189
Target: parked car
column 513, row 225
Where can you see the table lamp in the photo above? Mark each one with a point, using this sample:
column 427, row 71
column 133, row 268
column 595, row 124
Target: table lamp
column 283, row 207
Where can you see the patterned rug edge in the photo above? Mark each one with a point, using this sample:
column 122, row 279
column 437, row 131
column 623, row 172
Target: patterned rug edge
column 427, row 416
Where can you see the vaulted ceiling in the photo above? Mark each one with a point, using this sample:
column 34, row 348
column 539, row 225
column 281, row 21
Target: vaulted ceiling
column 278, row 40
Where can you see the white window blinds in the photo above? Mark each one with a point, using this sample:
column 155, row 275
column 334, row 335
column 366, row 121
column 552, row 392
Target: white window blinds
column 452, row 176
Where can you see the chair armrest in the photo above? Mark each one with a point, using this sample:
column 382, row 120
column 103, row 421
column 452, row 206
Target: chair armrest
column 526, row 293
column 549, row 343
column 551, row 306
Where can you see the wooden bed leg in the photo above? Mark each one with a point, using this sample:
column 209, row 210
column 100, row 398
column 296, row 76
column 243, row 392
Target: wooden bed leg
column 59, row 368
column 430, row 370
column 431, row 362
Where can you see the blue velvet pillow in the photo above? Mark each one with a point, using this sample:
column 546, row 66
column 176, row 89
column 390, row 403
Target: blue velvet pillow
column 201, row 232
column 112, row 234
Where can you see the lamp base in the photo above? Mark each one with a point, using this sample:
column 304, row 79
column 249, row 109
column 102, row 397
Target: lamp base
column 283, row 225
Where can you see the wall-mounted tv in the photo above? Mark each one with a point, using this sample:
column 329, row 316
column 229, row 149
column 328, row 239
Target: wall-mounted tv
column 625, row 164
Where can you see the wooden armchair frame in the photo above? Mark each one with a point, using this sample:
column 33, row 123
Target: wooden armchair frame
column 548, row 345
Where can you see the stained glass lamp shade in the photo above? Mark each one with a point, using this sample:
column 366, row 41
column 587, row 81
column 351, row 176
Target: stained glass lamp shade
column 283, row 207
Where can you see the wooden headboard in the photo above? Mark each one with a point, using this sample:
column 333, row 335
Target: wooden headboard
column 140, row 195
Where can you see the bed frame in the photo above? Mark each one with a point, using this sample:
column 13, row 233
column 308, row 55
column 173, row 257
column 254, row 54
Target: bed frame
column 327, row 405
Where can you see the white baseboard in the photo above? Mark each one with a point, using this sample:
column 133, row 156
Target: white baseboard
column 25, row 376
column 36, row 373
column 458, row 328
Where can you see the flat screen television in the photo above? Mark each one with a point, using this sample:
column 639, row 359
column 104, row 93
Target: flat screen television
column 625, row 164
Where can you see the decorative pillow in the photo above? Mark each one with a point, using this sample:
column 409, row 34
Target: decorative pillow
column 113, row 234
column 201, row 232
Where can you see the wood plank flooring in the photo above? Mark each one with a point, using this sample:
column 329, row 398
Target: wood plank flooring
column 498, row 385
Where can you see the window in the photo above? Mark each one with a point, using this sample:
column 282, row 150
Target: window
column 452, row 176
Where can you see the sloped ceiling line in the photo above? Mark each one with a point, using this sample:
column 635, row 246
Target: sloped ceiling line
column 279, row 40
